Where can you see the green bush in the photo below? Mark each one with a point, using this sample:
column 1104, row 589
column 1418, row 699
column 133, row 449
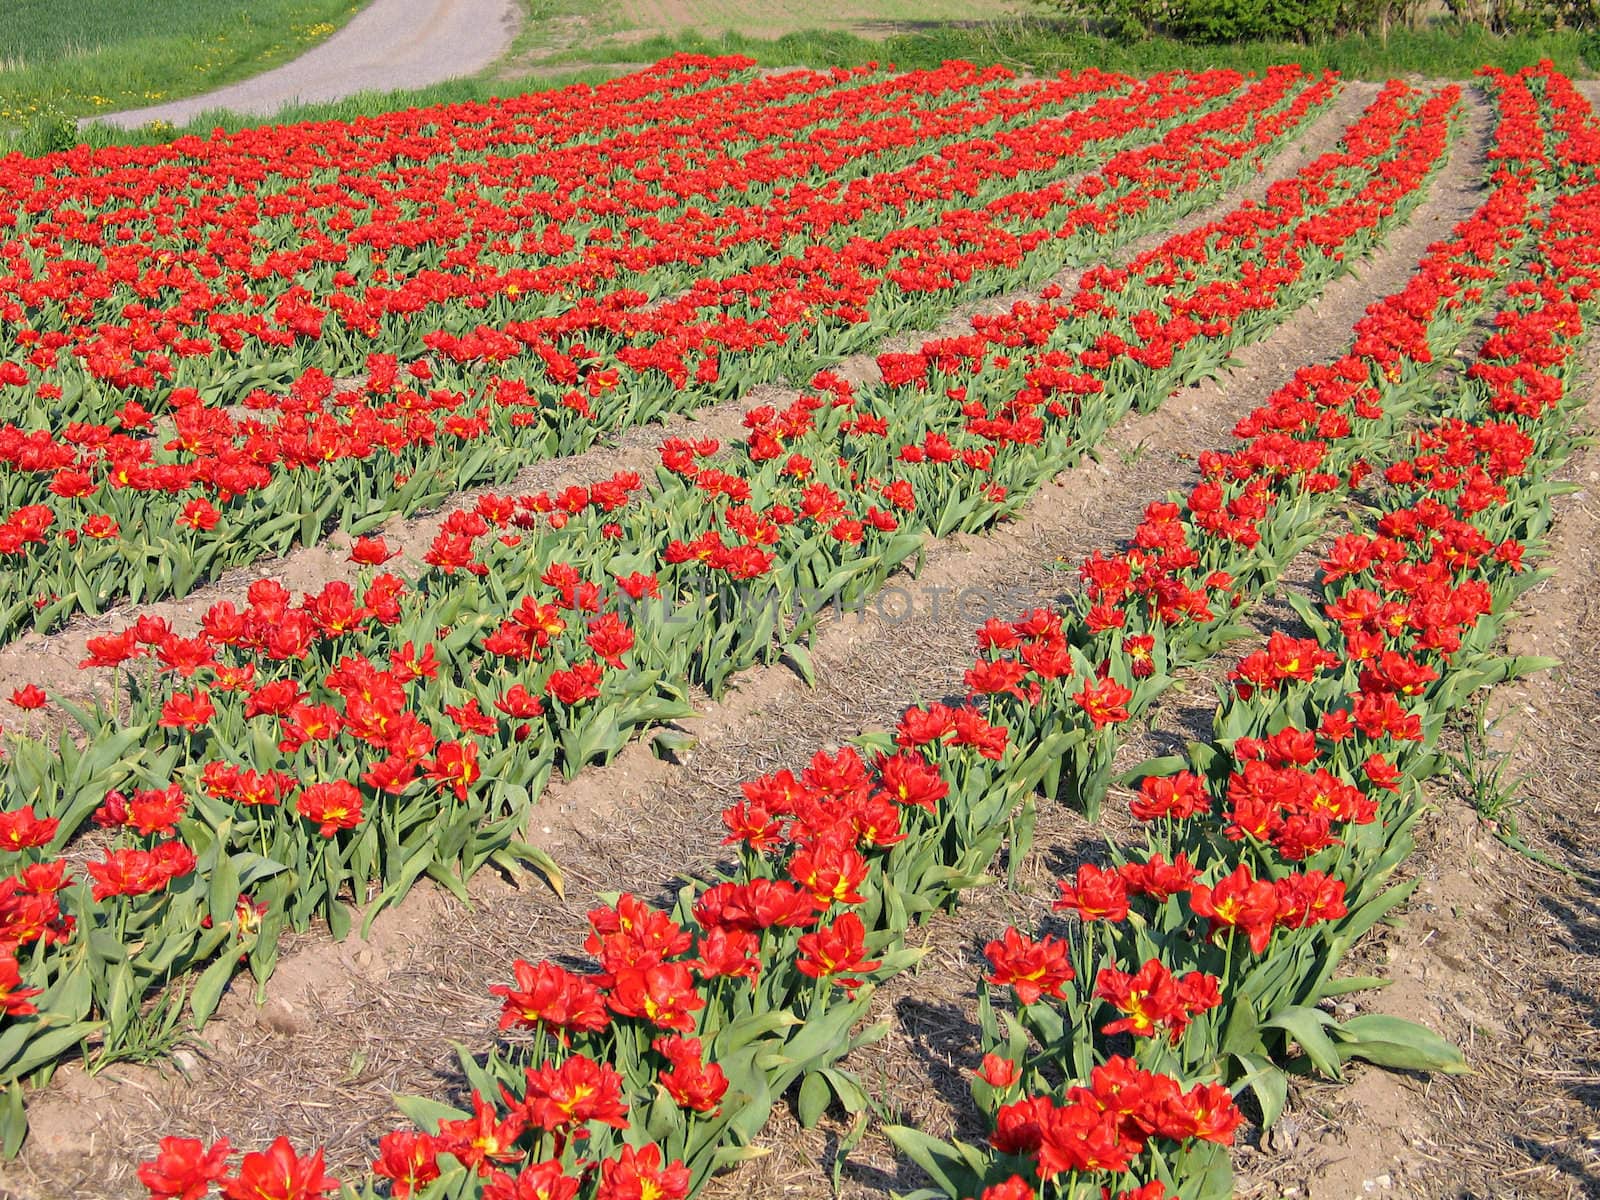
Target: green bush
column 1231, row 20
column 1527, row 16
column 1217, row 21
column 46, row 131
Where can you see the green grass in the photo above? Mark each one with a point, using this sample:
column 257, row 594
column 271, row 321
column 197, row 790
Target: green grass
column 1479, row 777
column 79, row 57
column 555, row 26
column 453, row 91
column 575, row 36
column 1444, row 51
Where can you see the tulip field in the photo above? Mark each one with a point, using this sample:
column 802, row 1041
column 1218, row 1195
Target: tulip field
column 215, row 352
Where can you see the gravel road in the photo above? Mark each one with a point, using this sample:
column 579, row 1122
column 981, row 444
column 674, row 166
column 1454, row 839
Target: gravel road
column 389, row 44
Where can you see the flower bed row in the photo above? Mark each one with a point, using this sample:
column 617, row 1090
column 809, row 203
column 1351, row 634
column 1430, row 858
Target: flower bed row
column 232, row 489
column 1269, row 850
column 658, row 1067
column 418, row 186
column 306, row 775
column 439, row 240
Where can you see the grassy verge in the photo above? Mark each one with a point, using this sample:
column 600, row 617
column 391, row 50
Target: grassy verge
column 74, row 58
column 565, row 41
column 571, row 26
column 1444, row 51
column 365, row 104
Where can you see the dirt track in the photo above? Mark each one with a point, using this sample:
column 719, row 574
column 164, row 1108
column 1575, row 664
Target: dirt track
column 390, row 44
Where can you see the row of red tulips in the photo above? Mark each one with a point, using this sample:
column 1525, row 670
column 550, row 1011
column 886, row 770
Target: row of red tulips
column 1209, row 953
column 306, row 775
column 282, row 239
column 641, row 1077
column 228, row 490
